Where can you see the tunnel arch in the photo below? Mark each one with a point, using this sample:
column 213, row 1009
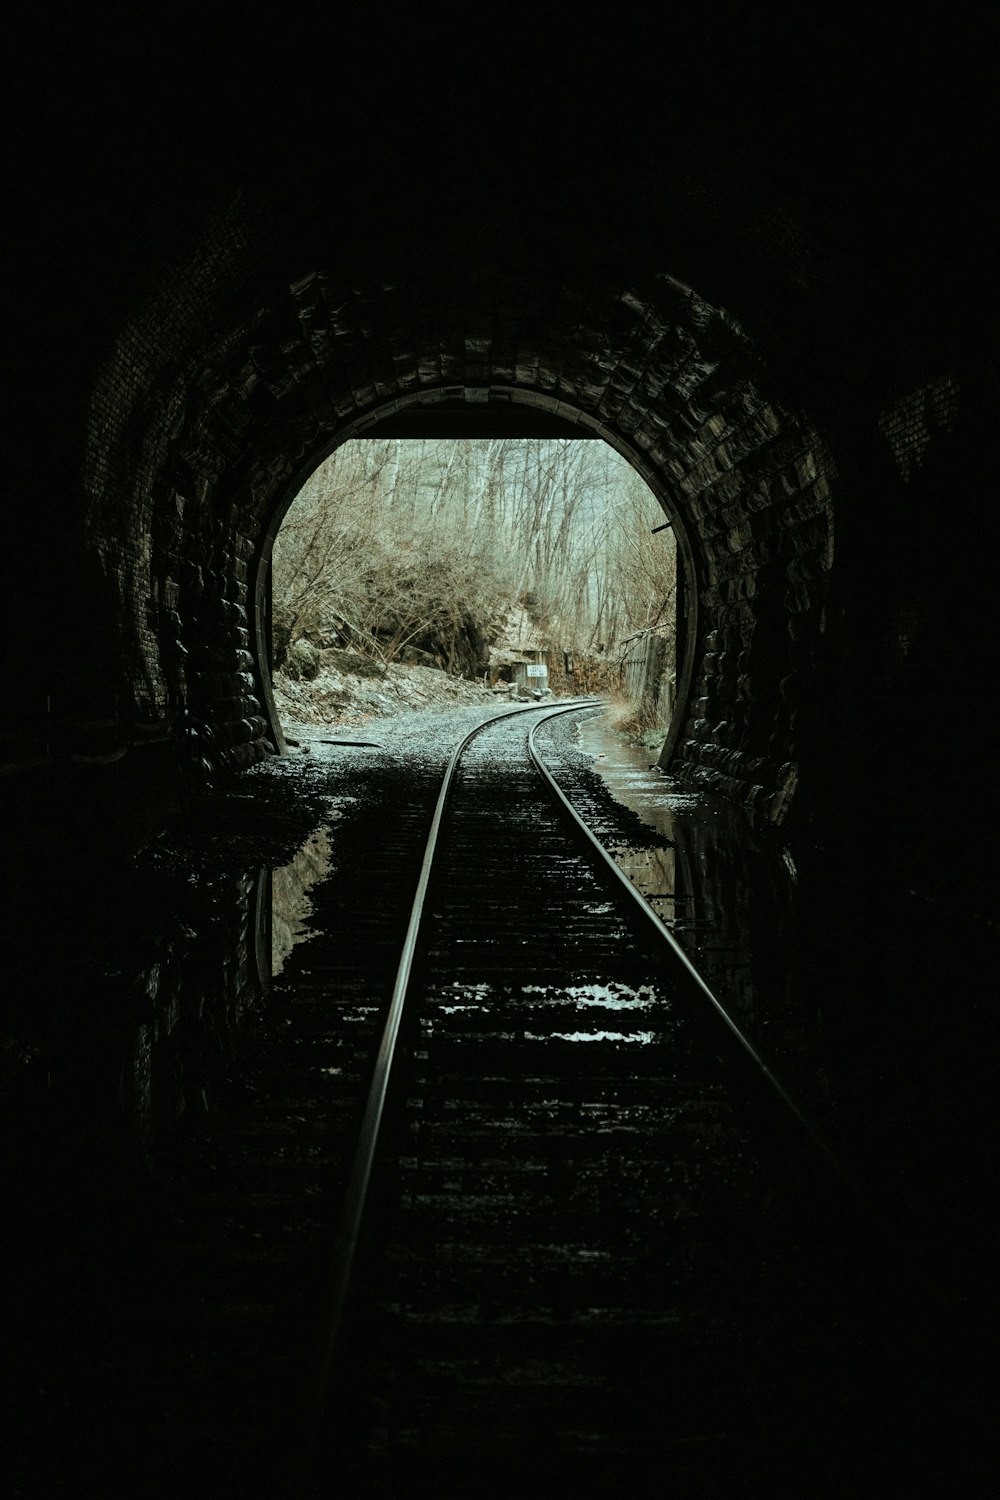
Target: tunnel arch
column 247, row 407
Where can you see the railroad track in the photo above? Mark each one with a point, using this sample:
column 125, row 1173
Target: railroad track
column 586, row 1243
column 580, row 1204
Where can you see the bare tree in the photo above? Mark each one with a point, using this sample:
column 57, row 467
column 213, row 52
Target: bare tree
column 427, row 544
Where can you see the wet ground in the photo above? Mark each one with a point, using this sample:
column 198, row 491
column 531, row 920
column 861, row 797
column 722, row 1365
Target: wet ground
column 567, row 1293
column 869, row 997
column 726, row 891
column 135, row 1016
column 729, row 891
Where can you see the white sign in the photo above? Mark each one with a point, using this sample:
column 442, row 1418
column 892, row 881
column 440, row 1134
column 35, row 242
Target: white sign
column 538, row 671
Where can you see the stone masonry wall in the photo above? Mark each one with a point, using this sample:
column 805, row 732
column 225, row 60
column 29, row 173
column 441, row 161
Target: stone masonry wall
column 654, row 370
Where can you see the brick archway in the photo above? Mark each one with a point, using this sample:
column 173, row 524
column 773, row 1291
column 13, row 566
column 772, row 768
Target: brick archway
column 669, row 381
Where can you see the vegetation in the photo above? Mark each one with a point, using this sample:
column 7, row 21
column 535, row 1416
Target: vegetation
column 418, row 550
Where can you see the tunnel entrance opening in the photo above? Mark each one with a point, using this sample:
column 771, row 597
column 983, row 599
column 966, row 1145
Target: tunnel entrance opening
column 411, row 572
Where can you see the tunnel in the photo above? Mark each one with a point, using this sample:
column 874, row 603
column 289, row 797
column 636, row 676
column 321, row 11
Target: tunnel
column 650, row 367
column 177, row 540
column 752, row 258
column 736, row 344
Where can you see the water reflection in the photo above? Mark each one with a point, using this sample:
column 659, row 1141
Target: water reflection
column 642, row 1037
column 200, row 929
column 290, row 903
column 613, row 996
column 729, row 894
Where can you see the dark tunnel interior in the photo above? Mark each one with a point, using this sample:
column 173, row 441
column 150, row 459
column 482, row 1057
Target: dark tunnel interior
column 754, row 255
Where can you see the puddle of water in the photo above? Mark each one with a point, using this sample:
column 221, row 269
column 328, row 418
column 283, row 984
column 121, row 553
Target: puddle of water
column 607, row 996
column 610, row 996
column 290, row 903
column 662, row 804
column 729, row 896
column 643, row 1038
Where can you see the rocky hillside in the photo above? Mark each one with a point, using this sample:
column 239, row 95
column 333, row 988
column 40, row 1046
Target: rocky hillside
column 347, row 689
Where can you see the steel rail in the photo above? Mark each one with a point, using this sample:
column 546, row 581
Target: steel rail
column 663, row 932
column 352, row 1212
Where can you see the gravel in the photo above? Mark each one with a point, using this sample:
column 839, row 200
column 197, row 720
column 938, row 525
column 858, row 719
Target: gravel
column 338, row 699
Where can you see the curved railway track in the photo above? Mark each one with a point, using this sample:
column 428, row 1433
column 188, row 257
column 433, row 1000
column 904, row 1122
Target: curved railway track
column 578, row 1202
column 586, row 1243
